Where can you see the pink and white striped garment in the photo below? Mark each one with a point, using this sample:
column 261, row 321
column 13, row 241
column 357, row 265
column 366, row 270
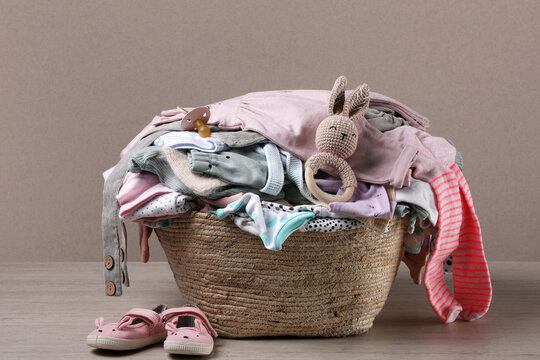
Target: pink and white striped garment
column 460, row 234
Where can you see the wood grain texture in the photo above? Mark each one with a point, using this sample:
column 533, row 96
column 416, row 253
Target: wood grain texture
column 48, row 309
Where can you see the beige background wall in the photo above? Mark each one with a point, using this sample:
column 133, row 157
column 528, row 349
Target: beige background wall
column 78, row 79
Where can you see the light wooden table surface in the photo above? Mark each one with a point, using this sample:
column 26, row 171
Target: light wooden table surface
column 48, row 309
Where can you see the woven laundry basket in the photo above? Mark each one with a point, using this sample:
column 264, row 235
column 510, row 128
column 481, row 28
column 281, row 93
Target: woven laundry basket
column 319, row 284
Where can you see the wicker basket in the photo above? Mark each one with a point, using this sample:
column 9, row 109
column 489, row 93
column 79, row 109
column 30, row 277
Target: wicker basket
column 320, row 284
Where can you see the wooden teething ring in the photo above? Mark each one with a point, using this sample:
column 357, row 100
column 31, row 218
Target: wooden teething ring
column 346, row 173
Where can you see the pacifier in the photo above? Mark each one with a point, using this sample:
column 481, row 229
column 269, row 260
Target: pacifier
column 196, row 119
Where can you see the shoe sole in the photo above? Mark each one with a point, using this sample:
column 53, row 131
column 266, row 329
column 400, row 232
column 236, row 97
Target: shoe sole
column 111, row 343
column 187, row 348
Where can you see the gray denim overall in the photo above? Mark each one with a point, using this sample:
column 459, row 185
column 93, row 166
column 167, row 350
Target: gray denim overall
column 114, row 249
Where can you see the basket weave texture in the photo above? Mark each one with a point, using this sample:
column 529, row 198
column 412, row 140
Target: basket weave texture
column 320, row 284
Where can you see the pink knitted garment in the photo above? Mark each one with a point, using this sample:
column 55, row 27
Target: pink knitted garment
column 460, row 234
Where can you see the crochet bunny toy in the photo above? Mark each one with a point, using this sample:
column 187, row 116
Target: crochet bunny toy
column 336, row 139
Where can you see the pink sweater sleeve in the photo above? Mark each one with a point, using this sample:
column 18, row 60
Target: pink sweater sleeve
column 458, row 233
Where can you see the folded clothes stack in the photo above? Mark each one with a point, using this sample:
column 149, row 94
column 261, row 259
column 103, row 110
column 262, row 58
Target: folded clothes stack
column 251, row 169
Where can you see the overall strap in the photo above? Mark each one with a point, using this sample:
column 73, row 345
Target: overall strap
column 114, row 250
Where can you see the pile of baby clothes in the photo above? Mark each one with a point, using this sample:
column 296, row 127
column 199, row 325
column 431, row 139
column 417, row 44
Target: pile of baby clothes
column 251, row 170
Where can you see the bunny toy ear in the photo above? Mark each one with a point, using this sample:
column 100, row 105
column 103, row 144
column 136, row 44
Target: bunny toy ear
column 357, row 103
column 337, row 96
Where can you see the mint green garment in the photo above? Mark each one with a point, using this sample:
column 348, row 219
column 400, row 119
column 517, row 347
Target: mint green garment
column 273, row 225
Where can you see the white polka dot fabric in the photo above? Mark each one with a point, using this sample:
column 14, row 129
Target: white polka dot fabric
column 325, row 220
column 163, row 205
column 327, row 225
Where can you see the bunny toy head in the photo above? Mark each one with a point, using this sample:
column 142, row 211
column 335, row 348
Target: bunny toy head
column 336, row 139
column 337, row 134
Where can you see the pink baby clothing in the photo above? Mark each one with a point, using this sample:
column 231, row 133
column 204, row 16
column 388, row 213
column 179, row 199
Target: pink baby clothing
column 415, row 119
column 459, row 231
column 428, row 146
column 459, row 234
column 289, row 118
column 144, row 235
column 138, row 189
column 165, row 117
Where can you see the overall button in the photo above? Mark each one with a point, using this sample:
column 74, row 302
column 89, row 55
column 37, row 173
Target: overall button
column 109, row 262
column 110, row 288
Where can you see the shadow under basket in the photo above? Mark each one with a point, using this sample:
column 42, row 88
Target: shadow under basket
column 319, row 284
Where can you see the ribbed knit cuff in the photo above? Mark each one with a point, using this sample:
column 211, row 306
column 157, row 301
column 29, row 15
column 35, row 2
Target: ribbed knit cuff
column 199, row 161
column 295, row 172
column 276, row 178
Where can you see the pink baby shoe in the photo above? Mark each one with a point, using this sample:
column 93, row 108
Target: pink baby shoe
column 190, row 332
column 136, row 329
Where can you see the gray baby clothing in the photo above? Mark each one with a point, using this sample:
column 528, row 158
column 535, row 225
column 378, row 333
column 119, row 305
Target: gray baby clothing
column 261, row 166
column 154, row 159
column 404, row 209
column 419, row 193
column 294, row 196
column 459, row 157
column 241, row 166
column 172, row 168
column 384, row 119
column 294, row 169
column 237, row 139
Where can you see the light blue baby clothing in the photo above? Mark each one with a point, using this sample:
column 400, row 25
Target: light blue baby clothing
column 324, row 225
column 272, row 225
column 190, row 140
